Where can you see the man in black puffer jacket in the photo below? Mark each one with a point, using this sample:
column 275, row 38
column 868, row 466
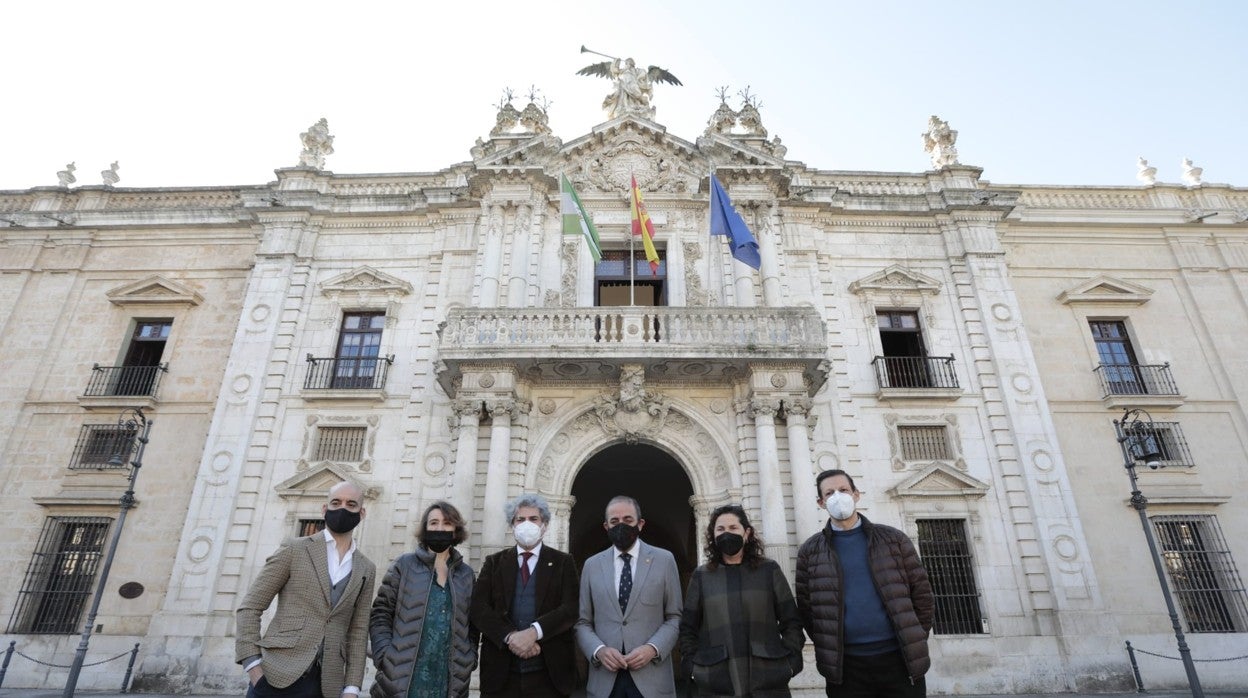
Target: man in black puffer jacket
column 864, row 599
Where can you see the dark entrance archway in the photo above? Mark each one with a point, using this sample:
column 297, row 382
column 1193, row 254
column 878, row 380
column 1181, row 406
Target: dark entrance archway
column 656, row 481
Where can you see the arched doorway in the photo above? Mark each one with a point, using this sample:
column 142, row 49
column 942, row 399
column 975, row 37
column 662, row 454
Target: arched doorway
column 656, row 481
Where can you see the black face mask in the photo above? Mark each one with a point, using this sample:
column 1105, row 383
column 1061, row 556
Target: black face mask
column 623, row 536
column 729, row 544
column 438, row 541
column 341, row 520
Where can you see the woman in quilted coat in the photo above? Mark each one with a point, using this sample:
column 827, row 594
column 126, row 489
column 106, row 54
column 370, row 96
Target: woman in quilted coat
column 422, row 644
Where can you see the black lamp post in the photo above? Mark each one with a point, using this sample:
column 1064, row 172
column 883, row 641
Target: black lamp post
column 130, row 423
column 1137, row 437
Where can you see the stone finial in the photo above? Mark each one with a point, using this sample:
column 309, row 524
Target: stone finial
column 110, row 175
column 1191, row 173
column 939, row 142
column 66, row 176
column 724, row 118
column 317, row 143
column 1145, row 174
column 748, row 117
column 508, row 116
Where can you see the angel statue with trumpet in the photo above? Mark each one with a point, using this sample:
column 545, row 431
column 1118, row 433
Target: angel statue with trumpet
column 633, row 85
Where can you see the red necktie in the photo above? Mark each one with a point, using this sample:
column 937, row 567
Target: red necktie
column 524, row 567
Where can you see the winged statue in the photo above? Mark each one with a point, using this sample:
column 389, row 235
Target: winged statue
column 633, row 85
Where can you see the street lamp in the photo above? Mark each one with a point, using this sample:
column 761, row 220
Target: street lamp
column 1137, row 437
column 129, row 424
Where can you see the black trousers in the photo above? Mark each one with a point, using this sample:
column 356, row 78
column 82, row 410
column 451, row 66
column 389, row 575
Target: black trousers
column 877, row 676
column 624, row 686
column 306, row 686
column 533, row 683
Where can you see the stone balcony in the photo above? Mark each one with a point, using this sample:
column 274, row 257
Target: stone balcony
column 578, row 345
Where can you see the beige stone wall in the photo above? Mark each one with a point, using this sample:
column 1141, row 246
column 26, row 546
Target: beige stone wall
column 61, row 314
column 1184, row 304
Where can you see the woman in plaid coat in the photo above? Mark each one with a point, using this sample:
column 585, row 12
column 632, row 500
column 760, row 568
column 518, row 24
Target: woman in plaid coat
column 740, row 634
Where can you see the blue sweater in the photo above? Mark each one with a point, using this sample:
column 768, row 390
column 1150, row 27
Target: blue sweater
column 866, row 625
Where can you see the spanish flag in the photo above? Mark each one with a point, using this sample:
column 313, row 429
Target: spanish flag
column 643, row 226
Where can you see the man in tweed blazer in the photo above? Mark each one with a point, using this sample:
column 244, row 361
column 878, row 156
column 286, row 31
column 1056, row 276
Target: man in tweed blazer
column 315, row 646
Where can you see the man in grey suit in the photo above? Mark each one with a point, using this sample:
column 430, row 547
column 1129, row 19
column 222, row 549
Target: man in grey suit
column 630, row 611
column 315, row 645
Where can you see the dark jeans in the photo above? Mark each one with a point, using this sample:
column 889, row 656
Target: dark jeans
column 306, row 686
column 532, row 683
column 877, row 676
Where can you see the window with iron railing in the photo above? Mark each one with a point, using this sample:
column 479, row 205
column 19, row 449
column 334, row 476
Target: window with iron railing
column 1204, row 577
column 1166, row 440
column 1119, row 370
column 61, row 575
column 947, row 558
column 102, row 446
column 342, row 444
column 923, row 442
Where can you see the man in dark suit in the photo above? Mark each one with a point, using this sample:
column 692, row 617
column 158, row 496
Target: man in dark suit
column 315, row 645
column 524, row 604
column 630, row 611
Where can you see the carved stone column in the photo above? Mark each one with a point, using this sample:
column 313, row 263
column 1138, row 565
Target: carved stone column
column 493, row 524
column 558, row 533
column 464, row 477
column 769, row 252
column 807, row 517
column 517, row 282
column 492, row 257
column 743, row 277
column 676, row 273
column 775, row 525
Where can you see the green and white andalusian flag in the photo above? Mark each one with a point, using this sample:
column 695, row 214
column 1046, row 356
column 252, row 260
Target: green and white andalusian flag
column 576, row 221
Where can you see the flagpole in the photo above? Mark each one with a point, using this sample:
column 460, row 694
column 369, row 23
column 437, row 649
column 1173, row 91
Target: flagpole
column 710, row 201
column 632, row 261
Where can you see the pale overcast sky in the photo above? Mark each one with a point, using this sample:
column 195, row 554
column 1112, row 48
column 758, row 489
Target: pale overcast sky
column 217, row 93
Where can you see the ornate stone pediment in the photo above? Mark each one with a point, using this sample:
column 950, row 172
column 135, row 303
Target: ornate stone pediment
column 366, row 280
column 533, row 150
column 743, row 152
column 154, row 289
column 893, row 279
column 607, row 159
column 634, row 410
column 1106, row 289
column 316, row 481
column 939, row 480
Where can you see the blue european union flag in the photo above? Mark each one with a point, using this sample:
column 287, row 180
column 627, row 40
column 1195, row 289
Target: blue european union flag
column 727, row 222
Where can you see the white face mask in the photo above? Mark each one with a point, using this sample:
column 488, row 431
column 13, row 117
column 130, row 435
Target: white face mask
column 527, row 533
column 840, row 505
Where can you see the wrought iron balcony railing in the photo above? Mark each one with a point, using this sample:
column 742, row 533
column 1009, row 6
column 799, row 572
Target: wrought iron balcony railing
column 1136, row 379
column 354, row 373
column 915, row 372
column 128, row 381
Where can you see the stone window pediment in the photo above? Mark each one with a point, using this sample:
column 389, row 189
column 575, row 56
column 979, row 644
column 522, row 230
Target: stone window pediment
column 363, row 288
column 1106, row 289
column 365, row 280
column 895, row 280
column 316, row 481
column 154, row 289
column 939, row 480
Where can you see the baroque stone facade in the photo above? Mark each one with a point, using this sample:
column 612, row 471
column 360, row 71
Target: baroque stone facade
column 940, row 337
